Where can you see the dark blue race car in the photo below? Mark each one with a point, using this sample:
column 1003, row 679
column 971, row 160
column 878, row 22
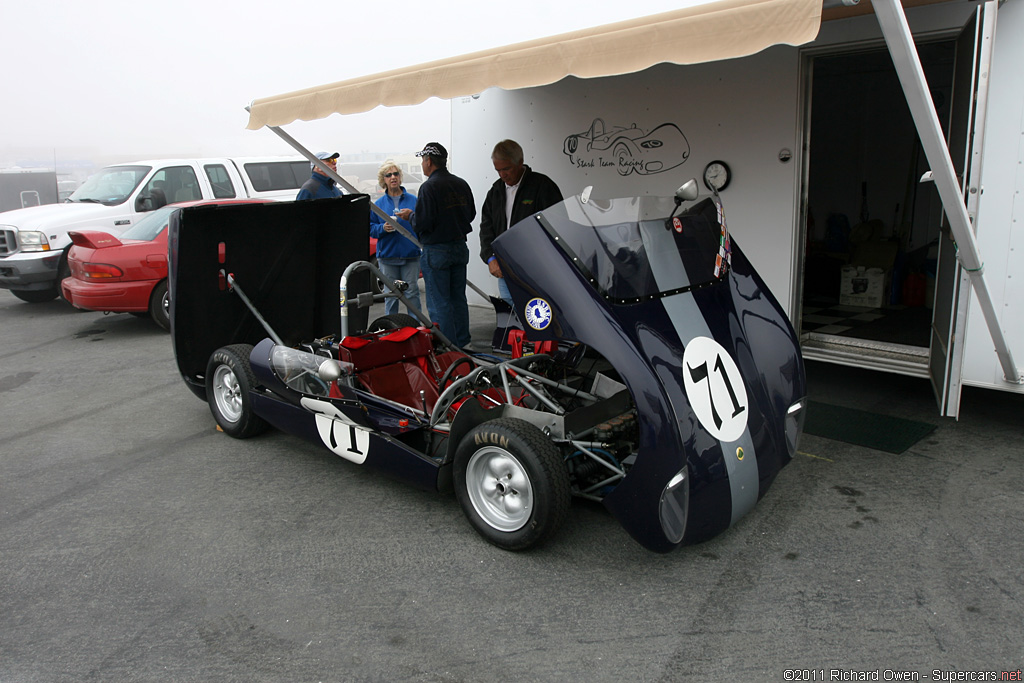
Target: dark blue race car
column 654, row 371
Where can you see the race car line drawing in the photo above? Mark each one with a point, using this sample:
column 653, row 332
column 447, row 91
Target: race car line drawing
column 631, row 150
column 654, row 373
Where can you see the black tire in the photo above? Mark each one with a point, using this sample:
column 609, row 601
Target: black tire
column 160, row 305
column 229, row 381
column 35, row 296
column 511, row 483
column 63, row 271
column 395, row 321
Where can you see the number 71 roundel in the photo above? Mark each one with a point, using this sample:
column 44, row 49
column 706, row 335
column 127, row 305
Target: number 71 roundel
column 715, row 389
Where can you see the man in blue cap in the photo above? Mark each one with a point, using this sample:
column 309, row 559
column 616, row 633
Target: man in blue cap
column 321, row 185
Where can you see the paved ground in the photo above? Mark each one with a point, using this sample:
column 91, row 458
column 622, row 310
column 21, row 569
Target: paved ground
column 139, row 544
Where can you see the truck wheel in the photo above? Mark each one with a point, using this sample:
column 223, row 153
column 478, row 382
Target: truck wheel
column 63, row 271
column 229, row 381
column 511, row 483
column 35, row 296
column 160, row 305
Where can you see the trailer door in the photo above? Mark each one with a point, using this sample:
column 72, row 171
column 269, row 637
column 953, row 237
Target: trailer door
column 966, row 136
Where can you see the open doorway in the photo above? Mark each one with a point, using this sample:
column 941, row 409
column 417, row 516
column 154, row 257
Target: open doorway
column 872, row 229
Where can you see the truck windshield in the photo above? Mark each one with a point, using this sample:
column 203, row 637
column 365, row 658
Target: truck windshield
column 111, row 186
column 151, row 225
column 631, row 251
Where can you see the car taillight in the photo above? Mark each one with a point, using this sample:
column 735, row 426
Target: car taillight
column 101, row 271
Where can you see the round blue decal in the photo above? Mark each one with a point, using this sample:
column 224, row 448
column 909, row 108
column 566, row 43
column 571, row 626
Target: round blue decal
column 538, row 313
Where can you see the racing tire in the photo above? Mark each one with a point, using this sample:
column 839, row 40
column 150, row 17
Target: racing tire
column 395, row 321
column 511, row 483
column 160, row 305
column 229, row 381
column 35, row 296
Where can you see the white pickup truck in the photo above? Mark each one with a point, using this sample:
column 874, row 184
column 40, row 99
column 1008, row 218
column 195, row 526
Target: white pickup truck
column 34, row 241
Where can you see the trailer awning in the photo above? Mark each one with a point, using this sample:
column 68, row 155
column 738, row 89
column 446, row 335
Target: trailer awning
column 706, row 33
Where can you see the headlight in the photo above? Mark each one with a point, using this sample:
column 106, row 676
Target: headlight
column 33, row 240
column 795, row 424
column 675, row 502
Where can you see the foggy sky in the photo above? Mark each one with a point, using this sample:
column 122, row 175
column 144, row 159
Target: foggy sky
column 120, row 80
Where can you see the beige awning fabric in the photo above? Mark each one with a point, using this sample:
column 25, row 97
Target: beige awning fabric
column 705, row 33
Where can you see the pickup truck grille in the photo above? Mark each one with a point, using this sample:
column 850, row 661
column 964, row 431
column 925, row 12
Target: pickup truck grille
column 8, row 242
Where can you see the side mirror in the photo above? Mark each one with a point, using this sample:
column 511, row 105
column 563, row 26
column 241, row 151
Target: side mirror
column 687, row 192
column 329, row 370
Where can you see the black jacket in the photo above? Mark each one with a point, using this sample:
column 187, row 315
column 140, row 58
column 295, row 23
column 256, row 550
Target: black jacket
column 536, row 192
column 444, row 209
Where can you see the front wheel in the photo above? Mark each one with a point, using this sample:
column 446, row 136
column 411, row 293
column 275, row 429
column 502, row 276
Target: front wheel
column 35, row 296
column 511, row 483
column 229, row 381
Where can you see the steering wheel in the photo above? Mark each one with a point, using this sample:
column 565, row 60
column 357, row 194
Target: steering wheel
column 442, row 383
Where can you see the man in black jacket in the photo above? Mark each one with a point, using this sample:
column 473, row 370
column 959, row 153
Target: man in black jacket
column 519, row 192
column 444, row 211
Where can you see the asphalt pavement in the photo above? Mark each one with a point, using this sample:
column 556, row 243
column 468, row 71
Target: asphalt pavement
column 138, row 543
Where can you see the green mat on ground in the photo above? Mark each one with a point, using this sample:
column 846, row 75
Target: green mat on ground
column 859, row 427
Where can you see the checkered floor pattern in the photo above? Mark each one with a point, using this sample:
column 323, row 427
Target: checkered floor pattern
column 836, row 319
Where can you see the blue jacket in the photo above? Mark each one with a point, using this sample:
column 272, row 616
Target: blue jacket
column 444, row 210
column 393, row 244
column 318, row 187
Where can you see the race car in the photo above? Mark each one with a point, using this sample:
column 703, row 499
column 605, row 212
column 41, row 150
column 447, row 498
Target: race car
column 655, row 372
column 632, row 149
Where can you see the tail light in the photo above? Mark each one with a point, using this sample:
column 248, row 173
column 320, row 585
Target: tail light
column 101, row 271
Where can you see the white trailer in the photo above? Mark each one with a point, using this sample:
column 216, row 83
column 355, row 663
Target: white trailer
column 827, row 119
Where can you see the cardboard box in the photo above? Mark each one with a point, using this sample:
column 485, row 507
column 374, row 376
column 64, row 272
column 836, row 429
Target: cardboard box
column 863, row 286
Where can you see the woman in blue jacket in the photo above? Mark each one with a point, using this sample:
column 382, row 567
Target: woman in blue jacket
column 397, row 257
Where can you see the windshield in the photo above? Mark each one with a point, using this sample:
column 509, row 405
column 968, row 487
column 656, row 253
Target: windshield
column 110, row 186
column 631, row 251
column 150, row 226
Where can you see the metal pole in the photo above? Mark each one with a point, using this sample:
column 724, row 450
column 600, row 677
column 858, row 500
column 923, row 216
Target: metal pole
column 896, row 31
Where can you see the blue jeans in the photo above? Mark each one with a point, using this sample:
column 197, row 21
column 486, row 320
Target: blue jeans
column 505, row 294
column 444, row 275
column 406, row 270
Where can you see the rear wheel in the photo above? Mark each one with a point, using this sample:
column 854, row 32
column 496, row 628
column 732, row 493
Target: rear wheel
column 160, row 305
column 395, row 321
column 35, row 296
column 511, row 483
column 229, row 381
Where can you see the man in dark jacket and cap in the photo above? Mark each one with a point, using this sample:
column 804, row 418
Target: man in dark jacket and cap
column 320, row 185
column 519, row 192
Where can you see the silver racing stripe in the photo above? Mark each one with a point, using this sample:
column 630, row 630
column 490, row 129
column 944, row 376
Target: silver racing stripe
column 689, row 323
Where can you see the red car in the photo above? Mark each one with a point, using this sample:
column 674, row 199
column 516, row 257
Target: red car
column 127, row 274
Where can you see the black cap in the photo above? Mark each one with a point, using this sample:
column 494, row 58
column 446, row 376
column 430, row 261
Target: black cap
column 433, row 149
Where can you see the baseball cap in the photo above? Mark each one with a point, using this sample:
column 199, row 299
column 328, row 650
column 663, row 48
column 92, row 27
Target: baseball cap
column 433, row 149
column 325, row 156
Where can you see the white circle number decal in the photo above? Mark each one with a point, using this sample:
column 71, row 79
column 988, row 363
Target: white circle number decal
column 715, row 388
column 538, row 313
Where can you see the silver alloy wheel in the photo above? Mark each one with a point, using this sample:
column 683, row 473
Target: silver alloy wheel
column 165, row 305
column 227, row 393
column 499, row 488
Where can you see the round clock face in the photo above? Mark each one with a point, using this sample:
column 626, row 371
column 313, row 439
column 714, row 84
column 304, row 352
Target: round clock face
column 717, row 175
